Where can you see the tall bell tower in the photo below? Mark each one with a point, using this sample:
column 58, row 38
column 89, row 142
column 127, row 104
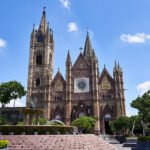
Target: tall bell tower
column 40, row 69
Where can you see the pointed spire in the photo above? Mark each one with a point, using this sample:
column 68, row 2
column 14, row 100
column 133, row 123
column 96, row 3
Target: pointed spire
column 33, row 28
column 94, row 56
column 48, row 27
column 118, row 65
column 81, row 49
column 104, row 66
column 33, row 31
column 51, row 34
column 43, row 24
column 68, row 60
column 115, row 64
column 115, row 67
column 88, row 46
column 33, row 34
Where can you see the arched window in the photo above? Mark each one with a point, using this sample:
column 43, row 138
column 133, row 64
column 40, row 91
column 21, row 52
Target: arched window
column 38, row 82
column 39, row 59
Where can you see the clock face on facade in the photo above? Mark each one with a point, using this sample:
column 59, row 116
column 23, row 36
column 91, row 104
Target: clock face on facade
column 81, row 85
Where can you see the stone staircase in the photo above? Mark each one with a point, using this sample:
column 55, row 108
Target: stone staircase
column 57, row 142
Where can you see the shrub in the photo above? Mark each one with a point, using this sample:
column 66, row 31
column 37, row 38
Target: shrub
column 31, row 129
column 85, row 124
column 3, row 143
column 144, row 138
column 42, row 121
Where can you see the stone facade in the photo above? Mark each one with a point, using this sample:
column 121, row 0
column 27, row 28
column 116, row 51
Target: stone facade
column 83, row 92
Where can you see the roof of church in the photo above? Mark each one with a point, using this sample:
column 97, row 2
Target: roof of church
column 80, row 57
column 105, row 72
column 58, row 76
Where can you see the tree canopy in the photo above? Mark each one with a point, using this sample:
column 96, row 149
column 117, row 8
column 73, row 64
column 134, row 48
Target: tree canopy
column 11, row 90
column 120, row 125
column 142, row 104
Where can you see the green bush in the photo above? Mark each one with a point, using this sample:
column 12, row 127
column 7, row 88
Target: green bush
column 3, row 143
column 42, row 121
column 31, row 129
column 144, row 138
column 85, row 124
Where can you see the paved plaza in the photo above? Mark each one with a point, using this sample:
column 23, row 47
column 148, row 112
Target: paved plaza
column 59, row 142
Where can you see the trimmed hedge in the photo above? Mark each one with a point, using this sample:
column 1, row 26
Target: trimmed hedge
column 5, row 130
column 144, row 138
column 3, row 144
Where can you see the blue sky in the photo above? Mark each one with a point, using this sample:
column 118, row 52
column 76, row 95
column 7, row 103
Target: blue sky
column 119, row 30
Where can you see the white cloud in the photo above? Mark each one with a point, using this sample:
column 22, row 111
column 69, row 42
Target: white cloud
column 128, row 113
column 2, row 43
column 65, row 3
column 136, row 38
column 72, row 26
column 143, row 87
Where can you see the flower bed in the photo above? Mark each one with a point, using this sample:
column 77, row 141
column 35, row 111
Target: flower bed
column 5, row 130
column 3, row 144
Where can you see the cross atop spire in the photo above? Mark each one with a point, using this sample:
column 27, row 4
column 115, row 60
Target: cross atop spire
column 44, row 12
column 88, row 51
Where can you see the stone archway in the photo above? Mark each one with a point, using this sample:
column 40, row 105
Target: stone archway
column 58, row 113
column 106, row 117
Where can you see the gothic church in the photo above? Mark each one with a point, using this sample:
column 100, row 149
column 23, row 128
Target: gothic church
column 83, row 92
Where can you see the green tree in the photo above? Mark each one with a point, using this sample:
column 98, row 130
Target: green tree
column 11, row 90
column 85, row 124
column 120, row 125
column 135, row 125
column 142, row 104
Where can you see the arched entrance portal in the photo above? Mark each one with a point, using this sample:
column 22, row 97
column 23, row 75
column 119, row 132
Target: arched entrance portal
column 107, row 119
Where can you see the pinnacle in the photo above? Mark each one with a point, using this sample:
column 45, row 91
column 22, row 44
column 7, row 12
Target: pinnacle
column 88, row 46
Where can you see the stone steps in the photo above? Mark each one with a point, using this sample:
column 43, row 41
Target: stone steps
column 57, row 142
